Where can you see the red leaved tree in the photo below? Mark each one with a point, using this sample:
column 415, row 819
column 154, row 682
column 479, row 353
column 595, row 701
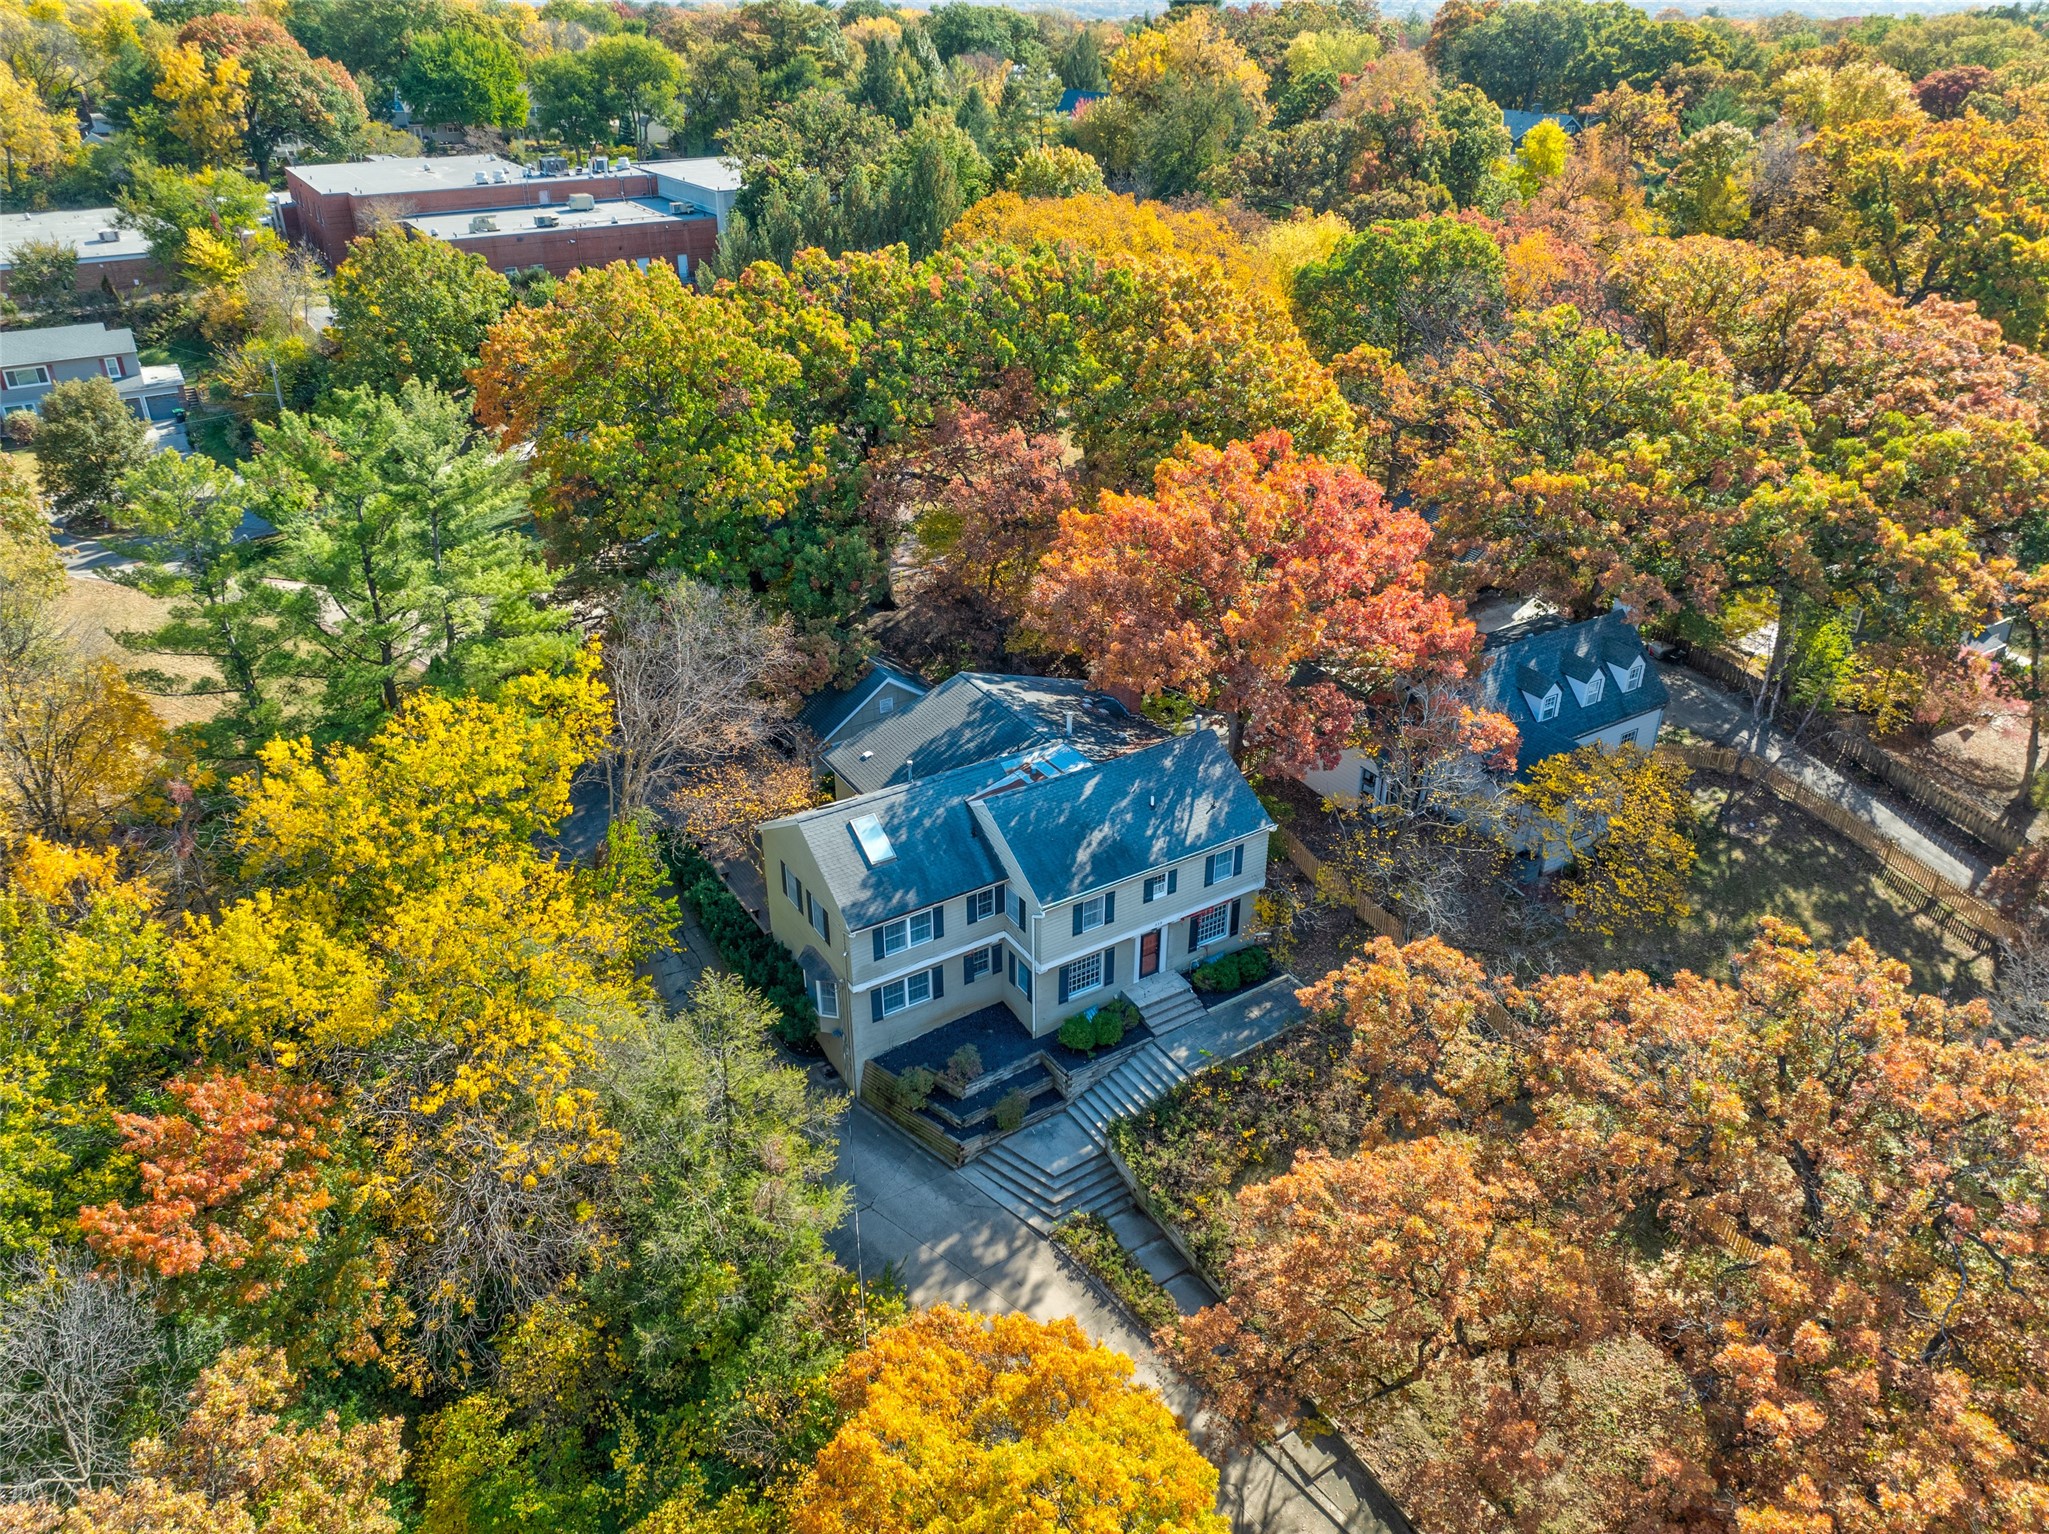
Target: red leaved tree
column 1244, row 564
column 233, row 1181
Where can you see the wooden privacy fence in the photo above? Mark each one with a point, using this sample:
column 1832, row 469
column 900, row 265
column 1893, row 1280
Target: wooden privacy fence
column 1957, row 908
column 1384, row 922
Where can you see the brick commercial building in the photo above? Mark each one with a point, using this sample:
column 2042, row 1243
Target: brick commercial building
column 109, row 256
column 512, row 215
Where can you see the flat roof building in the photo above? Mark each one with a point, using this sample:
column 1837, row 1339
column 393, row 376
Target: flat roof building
column 511, row 214
column 107, row 253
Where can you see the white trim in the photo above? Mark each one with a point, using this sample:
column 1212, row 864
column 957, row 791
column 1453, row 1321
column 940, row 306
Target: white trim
column 926, row 960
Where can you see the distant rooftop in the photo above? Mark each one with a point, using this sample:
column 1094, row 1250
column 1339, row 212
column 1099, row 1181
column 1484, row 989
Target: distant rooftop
column 66, row 343
column 79, row 228
column 392, row 175
column 709, row 172
column 629, row 210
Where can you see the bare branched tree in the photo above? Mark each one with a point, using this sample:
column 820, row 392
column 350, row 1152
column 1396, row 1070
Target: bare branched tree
column 74, row 1347
column 696, row 675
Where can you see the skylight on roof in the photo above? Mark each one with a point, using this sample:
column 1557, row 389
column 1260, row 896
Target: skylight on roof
column 873, row 840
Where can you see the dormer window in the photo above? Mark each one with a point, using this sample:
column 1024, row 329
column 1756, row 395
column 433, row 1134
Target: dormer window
column 1632, row 679
column 1544, row 705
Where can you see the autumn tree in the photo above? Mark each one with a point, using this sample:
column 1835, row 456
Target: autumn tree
column 85, row 980
column 1244, row 564
column 236, row 1464
column 1411, row 287
column 410, row 308
column 1022, row 1423
column 1621, row 820
column 88, row 440
column 1819, row 1149
column 289, row 97
column 79, row 746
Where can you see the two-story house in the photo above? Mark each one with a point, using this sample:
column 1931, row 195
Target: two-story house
column 33, row 362
column 1043, row 881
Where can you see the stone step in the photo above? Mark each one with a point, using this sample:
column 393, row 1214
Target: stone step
column 1102, row 1192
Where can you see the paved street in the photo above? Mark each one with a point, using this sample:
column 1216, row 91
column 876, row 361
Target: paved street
column 949, row 1241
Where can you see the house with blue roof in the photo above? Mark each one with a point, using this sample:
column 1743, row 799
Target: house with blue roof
column 1027, row 883
column 1562, row 684
column 833, row 714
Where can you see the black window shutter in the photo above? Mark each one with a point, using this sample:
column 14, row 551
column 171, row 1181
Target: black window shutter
column 785, row 867
column 1234, row 916
column 1209, row 871
column 875, row 1002
column 1173, row 880
column 878, row 945
column 971, row 908
column 938, row 981
column 1145, row 893
column 1194, row 933
column 1109, row 908
column 967, row 968
column 1002, row 901
column 1237, row 860
column 825, row 926
column 1109, row 966
column 939, row 921
column 1063, row 985
column 1077, row 925
column 1020, row 911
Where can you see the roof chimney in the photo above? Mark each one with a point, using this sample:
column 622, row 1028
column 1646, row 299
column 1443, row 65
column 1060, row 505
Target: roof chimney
column 1070, row 721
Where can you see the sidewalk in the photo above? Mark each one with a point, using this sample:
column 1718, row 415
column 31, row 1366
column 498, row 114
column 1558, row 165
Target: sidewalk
column 1711, row 713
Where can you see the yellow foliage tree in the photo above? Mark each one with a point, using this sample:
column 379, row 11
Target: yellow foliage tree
column 1114, row 224
column 208, row 103
column 411, row 942
column 34, row 138
column 78, row 745
column 1621, row 816
column 1001, row 1425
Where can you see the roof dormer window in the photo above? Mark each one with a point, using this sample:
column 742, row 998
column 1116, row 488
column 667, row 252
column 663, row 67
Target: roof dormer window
column 1588, row 692
column 1544, row 705
column 1631, row 679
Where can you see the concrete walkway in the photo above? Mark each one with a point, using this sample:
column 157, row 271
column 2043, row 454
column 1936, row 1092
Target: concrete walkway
column 948, row 1241
column 1711, row 713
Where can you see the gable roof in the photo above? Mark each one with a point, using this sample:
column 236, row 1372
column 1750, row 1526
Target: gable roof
column 939, row 852
column 973, row 716
column 1532, row 658
column 68, row 343
column 826, row 710
column 1085, row 830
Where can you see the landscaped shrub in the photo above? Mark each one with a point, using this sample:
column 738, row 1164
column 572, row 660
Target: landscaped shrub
column 962, row 1067
column 914, row 1087
column 1101, row 1027
column 1010, row 1110
column 1078, row 1033
column 1230, row 971
column 756, row 957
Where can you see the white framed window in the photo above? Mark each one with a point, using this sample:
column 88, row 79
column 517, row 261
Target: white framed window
column 1159, row 886
column 821, row 922
column 1092, row 914
column 1633, row 677
column 1220, row 866
column 976, row 964
column 1547, row 706
column 22, row 378
column 825, row 995
column 113, row 367
column 1594, row 685
column 911, row 991
column 907, row 932
column 886, row 704
column 1628, row 738
column 1021, row 976
column 982, row 905
column 1212, row 924
column 793, row 888
column 1083, row 975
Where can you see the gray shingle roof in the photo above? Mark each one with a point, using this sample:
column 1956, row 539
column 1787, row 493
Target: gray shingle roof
column 65, row 343
column 1137, row 812
column 939, row 854
column 830, row 707
column 1535, row 658
column 972, row 717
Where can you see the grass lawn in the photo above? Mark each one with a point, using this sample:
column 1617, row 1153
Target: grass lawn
column 1775, row 860
column 215, row 436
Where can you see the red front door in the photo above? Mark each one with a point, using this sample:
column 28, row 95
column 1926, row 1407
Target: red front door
column 1149, row 955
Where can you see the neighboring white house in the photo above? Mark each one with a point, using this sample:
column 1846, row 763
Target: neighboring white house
column 33, row 362
column 1038, row 884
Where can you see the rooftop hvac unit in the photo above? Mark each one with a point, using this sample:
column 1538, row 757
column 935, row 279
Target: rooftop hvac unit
column 685, row 210
column 546, row 220
column 599, row 165
column 581, row 202
column 483, row 223
column 498, row 176
column 553, row 164
column 109, row 237
column 482, row 179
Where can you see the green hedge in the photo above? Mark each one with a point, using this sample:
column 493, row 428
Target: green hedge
column 1101, row 1027
column 1232, row 970
column 754, row 956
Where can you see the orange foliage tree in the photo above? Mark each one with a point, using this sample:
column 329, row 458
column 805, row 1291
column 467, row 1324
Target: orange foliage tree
column 233, row 1180
column 959, row 1421
column 1243, row 564
column 1817, row 1195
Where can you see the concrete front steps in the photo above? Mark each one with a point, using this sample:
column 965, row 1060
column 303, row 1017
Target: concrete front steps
column 1060, row 1167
